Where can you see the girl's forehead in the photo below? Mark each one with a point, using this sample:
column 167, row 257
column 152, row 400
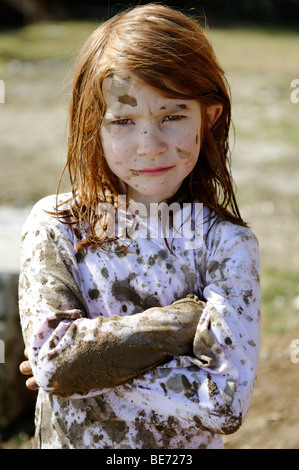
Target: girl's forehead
column 116, row 85
column 128, row 90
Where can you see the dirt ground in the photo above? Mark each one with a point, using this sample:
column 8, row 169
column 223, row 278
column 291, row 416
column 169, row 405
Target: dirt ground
column 266, row 172
column 272, row 421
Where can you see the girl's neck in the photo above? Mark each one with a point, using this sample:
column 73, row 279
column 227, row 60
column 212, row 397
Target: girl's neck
column 146, row 200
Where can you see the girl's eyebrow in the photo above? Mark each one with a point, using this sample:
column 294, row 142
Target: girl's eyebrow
column 175, row 108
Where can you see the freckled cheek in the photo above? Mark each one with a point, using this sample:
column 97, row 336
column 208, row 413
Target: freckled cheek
column 119, row 164
column 115, row 152
column 189, row 144
column 187, row 152
column 187, row 164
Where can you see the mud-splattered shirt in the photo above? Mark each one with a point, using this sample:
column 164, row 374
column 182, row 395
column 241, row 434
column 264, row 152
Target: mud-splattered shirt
column 83, row 321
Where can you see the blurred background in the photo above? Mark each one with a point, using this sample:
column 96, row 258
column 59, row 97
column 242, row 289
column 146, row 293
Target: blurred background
column 257, row 43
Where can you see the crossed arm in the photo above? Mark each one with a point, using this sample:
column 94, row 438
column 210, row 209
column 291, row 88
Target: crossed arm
column 72, row 354
column 114, row 350
column 144, row 341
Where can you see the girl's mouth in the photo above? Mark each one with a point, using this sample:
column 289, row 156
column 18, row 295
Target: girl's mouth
column 153, row 171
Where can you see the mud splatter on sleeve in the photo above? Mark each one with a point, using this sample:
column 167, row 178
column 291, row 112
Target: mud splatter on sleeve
column 69, row 302
column 211, row 389
column 72, row 354
column 230, row 325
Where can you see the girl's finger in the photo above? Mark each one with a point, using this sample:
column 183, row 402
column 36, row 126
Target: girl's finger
column 25, row 368
column 31, row 384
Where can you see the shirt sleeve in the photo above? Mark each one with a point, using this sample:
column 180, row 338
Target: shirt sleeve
column 211, row 390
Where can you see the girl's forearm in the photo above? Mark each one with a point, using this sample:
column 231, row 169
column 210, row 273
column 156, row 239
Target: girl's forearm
column 100, row 353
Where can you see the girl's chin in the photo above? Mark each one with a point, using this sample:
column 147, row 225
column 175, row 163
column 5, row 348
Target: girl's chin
column 152, row 195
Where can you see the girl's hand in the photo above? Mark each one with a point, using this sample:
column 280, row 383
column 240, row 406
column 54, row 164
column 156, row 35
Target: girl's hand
column 25, row 369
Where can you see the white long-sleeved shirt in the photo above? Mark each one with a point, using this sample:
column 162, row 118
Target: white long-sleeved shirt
column 71, row 300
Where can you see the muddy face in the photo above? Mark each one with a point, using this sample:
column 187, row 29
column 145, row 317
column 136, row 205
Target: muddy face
column 182, row 153
column 150, row 142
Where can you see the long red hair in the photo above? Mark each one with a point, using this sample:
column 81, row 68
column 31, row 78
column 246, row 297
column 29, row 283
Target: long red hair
column 168, row 50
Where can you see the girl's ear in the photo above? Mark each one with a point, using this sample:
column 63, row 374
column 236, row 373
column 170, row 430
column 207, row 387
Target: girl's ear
column 214, row 112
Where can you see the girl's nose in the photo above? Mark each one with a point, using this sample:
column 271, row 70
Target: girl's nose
column 150, row 143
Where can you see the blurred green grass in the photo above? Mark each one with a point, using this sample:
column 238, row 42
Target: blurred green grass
column 260, row 65
column 256, row 49
column 44, row 41
column 280, row 300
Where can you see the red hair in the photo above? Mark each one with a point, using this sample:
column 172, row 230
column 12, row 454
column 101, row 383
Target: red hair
column 168, row 50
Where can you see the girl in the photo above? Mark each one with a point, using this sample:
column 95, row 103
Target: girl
column 141, row 338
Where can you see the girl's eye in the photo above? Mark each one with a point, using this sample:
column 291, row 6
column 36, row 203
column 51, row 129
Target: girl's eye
column 174, row 117
column 121, row 122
